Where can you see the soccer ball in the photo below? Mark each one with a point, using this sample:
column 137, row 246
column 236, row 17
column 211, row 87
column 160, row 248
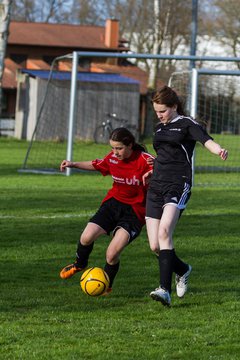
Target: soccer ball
column 94, row 281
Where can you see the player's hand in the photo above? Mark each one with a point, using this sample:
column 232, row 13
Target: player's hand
column 146, row 177
column 65, row 164
column 223, row 154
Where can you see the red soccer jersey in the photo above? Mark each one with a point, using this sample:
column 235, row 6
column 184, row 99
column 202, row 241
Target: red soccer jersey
column 127, row 179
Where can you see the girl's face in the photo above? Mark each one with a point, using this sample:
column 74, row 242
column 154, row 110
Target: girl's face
column 120, row 150
column 164, row 113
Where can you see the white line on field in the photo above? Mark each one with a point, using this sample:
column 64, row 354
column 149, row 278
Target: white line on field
column 46, row 216
column 88, row 214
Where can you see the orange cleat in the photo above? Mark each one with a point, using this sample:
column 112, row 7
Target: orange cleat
column 69, row 271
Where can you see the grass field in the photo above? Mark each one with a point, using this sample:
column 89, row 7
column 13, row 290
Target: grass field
column 44, row 317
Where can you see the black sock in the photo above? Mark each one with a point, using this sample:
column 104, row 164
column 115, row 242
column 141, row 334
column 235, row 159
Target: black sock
column 179, row 267
column 83, row 252
column 112, row 271
column 166, row 261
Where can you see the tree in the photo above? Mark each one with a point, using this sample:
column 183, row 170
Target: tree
column 221, row 22
column 41, row 11
column 88, row 12
column 5, row 7
column 160, row 27
column 59, row 11
column 228, row 24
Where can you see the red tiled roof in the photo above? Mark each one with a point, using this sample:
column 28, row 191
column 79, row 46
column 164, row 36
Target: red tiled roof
column 58, row 35
column 131, row 71
column 37, row 64
column 67, row 66
column 76, row 37
column 9, row 74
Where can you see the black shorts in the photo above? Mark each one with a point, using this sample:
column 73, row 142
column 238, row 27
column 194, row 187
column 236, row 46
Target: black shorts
column 113, row 214
column 166, row 193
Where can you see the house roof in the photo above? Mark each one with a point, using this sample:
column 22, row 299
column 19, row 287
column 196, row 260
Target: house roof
column 9, row 74
column 59, row 35
column 47, row 36
column 37, row 64
column 131, row 71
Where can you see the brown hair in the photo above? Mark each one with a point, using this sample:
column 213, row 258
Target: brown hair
column 125, row 136
column 167, row 96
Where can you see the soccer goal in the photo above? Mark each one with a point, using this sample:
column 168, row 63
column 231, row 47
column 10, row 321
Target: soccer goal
column 62, row 123
column 213, row 98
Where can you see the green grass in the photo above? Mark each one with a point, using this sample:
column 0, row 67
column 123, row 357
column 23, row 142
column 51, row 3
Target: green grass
column 43, row 317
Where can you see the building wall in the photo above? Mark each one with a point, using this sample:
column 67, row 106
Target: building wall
column 49, row 107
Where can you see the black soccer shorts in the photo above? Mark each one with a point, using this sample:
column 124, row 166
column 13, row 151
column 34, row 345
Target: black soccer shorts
column 113, row 214
column 167, row 193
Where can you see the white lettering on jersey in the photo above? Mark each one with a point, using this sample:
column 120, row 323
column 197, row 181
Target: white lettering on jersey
column 175, row 129
column 113, row 161
column 119, row 180
column 133, row 181
column 127, row 181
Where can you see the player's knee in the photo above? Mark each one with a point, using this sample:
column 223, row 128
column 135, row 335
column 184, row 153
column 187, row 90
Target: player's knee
column 111, row 257
column 85, row 239
column 163, row 234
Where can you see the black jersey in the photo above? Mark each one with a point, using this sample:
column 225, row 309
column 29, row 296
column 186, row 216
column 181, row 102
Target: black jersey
column 174, row 144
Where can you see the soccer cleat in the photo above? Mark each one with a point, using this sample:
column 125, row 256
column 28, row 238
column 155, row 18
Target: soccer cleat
column 182, row 282
column 69, row 271
column 162, row 295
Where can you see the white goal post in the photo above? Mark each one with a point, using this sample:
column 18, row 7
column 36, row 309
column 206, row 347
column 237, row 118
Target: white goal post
column 192, row 100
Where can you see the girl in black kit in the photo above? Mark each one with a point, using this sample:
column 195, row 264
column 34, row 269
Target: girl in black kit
column 170, row 186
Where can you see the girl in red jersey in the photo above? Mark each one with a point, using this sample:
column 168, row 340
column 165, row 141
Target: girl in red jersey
column 122, row 211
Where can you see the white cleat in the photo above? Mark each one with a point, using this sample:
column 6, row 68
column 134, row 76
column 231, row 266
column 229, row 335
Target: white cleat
column 162, row 295
column 182, row 282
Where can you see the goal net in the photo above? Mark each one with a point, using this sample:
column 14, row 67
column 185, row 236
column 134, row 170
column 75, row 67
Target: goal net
column 217, row 107
column 47, row 123
column 216, row 104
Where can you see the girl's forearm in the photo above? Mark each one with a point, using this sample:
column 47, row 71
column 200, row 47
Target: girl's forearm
column 216, row 149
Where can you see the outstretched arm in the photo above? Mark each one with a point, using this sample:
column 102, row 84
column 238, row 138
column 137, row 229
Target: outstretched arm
column 215, row 148
column 83, row 165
